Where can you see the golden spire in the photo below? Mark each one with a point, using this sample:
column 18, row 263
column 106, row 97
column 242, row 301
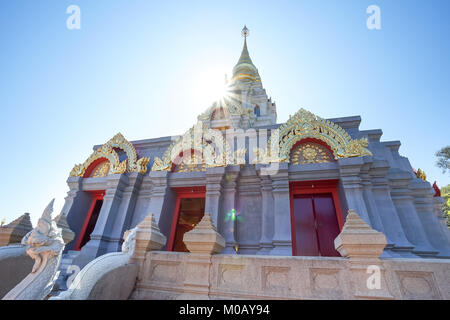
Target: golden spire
column 245, row 69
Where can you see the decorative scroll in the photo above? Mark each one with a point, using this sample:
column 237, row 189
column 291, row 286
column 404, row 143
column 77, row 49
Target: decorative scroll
column 310, row 153
column 107, row 152
column 101, row 170
column 421, row 174
column 230, row 106
column 304, row 125
column 210, row 148
column 194, row 163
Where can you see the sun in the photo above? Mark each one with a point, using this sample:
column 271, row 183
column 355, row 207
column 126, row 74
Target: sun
column 210, row 85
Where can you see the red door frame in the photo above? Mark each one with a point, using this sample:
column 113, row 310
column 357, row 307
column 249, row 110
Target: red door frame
column 183, row 193
column 313, row 187
column 97, row 195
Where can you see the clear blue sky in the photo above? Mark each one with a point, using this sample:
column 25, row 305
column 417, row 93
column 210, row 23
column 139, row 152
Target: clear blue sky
column 138, row 67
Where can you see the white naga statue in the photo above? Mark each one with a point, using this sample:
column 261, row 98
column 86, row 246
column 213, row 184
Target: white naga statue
column 44, row 244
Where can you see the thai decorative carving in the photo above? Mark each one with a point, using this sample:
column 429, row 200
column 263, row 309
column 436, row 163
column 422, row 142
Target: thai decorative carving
column 261, row 156
column 120, row 168
column 231, row 107
column 131, row 164
column 304, row 125
column 86, row 279
column 142, row 165
column 239, row 156
column 210, row 144
column 158, row 165
column 44, row 244
column 310, row 153
column 421, row 174
column 101, row 170
column 191, row 163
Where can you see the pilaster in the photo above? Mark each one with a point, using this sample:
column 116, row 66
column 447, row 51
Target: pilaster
column 391, row 223
column 214, row 178
column 267, row 221
column 122, row 221
column 101, row 237
column 282, row 243
column 142, row 201
column 403, row 201
column 159, row 190
column 228, row 225
column 436, row 233
column 76, row 204
column 350, row 170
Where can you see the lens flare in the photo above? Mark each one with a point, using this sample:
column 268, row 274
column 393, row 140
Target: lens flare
column 233, row 216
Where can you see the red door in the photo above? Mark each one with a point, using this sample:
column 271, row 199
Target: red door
column 91, row 219
column 315, row 225
column 190, row 213
column 189, row 210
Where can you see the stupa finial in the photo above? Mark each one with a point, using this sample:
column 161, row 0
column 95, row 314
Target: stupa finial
column 245, row 32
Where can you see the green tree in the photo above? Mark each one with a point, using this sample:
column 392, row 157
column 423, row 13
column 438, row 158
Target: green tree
column 443, row 156
column 445, row 193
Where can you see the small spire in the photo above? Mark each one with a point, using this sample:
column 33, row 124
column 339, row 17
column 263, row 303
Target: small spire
column 245, row 32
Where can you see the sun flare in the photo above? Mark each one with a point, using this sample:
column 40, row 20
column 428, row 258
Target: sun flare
column 211, row 86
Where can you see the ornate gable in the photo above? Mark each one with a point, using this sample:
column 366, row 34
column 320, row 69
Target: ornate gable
column 306, row 125
column 107, row 152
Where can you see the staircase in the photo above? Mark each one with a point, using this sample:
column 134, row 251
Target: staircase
column 66, row 262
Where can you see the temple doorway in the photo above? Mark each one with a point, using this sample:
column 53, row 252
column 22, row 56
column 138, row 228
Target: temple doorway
column 189, row 210
column 190, row 214
column 91, row 220
column 315, row 219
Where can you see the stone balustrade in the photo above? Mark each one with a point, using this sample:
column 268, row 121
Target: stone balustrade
column 359, row 274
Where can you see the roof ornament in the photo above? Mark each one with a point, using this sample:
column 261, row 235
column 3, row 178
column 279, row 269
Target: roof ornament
column 245, row 32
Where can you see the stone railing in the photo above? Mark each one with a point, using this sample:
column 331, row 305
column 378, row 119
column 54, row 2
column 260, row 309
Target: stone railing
column 359, row 274
column 113, row 275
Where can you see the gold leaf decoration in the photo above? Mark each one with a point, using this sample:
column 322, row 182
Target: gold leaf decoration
column 310, row 153
column 142, row 165
column 214, row 149
column 106, row 151
column 421, row 175
column 120, row 168
column 305, row 124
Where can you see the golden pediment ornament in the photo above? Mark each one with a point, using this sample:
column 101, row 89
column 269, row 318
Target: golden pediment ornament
column 209, row 143
column 106, row 151
column 305, row 124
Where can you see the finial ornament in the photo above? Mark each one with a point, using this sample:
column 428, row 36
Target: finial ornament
column 245, row 32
